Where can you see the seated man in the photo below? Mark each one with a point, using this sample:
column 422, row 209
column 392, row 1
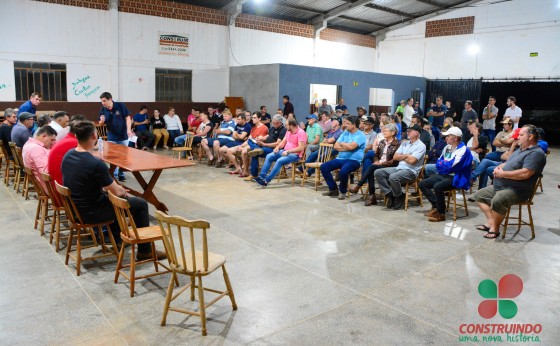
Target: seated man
column 435, row 152
column 411, row 156
column 35, row 152
column 86, row 176
column 350, row 147
column 331, row 138
column 60, row 124
column 225, row 135
column 60, row 148
column 314, row 134
column 289, row 150
column 371, row 137
column 259, row 130
column 514, row 181
column 477, row 143
column 141, row 123
column 453, row 171
column 22, row 130
column 241, row 133
column 6, row 129
column 424, row 135
column 265, row 145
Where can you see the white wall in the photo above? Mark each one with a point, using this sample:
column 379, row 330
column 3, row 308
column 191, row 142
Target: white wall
column 506, row 32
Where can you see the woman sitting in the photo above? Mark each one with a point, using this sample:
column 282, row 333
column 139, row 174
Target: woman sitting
column 383, row 158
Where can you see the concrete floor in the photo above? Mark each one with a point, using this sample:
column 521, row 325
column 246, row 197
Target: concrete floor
column 305, row 269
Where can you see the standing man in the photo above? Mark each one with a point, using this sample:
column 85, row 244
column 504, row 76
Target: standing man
column 324, row 107
column 438, row 113
column 341, row 106
column 411, row 156
column 489, row 115
column 22, row 130
column 469, row 114
column 141, row 123
column 513, row 112
column 119, row 124
column 60, row 124
column 30, row 106
column 288, row 106
column 6, row 128
column 514, row 181
column 350, row 147
column 265, row 117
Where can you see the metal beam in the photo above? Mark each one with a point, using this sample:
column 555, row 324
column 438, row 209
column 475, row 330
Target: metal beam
column 431, row 3
column 362, row 21
column 339, row 11
column 390, row 10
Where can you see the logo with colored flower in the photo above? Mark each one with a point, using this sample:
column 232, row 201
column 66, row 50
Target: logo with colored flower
column 498, row 297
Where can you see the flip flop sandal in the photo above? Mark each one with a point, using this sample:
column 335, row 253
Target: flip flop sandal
column 493, row 234
column 482, row 228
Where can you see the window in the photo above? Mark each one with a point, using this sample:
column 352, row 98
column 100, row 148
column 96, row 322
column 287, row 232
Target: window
column 47, row 78
column 173, row 85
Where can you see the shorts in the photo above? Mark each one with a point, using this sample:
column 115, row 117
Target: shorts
column 499, row 201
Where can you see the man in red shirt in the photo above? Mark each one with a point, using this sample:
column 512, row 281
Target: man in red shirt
column 61, row 148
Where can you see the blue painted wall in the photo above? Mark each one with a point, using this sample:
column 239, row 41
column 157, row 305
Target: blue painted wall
column 295, row 81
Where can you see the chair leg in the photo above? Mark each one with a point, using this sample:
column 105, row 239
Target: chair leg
column 132, row 269
column 506, row 223
column 69, row 246
column 154, row 255
column 202, row 307
column 531, row 222
column 406, row 197
column 519, row 218
column 465, row 203
column 168, row 299
column 39, row 211
column 44, row 215
column 454, row 193
column 119, row 263
column 317, row 177
column 79, row 252
column 228, row 286
column 193, row 283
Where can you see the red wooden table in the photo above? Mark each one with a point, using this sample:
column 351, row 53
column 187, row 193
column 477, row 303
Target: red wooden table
column 136, row 161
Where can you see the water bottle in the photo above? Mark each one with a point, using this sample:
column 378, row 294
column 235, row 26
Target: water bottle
column 100, row 145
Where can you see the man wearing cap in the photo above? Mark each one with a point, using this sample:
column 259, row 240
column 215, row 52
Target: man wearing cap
column 438, row 112
column 341, row 106
column 411, row 158
column 6, row 129
column 361, row 111
column 314, row 134
column 22, row 130
column 324, row 107
column 514, row 181
column 453, row 171
column 424, row 135
column 513, row 112
column 325, row 122
column 489, row 114
column 350, row 147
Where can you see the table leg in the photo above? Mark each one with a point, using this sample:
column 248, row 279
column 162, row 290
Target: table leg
column 148, row 193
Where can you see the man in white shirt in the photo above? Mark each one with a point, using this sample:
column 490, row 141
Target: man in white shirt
column 60, row 124
column 408, row 111
column 513, row 112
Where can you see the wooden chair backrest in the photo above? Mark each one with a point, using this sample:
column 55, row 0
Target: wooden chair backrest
column 13, row 148
column 38, row 186
column 325, row 152
column 535, row 187
column 188, row 140
column 421, row 174
column 72, row 213
column 175, row 247
column 4, row 151
column 51, row 190
column 101, row 131
column 124, row 217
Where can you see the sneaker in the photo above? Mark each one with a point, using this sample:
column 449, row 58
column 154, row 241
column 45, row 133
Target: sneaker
column 354, row 189
column 155, row 147
column 341, row 196
column 256, row 179
column 331, row 193
column 249, row 178
column 141, row 256
column 255, row 152
column 145, row 148
column 165, row 147
column 399, row 202
column 122, row 178
column 262, row 182
column 390, row 200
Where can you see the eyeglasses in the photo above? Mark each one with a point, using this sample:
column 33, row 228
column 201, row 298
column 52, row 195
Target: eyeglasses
column 254, row 117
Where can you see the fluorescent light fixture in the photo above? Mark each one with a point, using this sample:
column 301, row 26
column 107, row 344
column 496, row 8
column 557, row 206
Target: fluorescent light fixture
column 473, row 49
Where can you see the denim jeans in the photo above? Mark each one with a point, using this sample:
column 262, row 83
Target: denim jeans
column 280, row 161
column 313, row 158
column 430, row 170
column 255, row 159
column 494, row 156
column 118, row 172
column 491, row 134
column 180, row 140
column 368, row 160
column 173, row 134
column 484, row 170
column 346, row 167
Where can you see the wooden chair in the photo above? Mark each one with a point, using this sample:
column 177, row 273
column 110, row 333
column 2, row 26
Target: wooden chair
column 132, row 235
column 193, row 263
column 520, row 222
column 18, row 166
column 77, row 224
column 324, row 155
column 539, row 181
column 452, row 196
column 26, row 186
column 101, row 131
column 412, row 186
column 58, row 212
column 294, row 165
column 41, row 213
column 9, row 171
column 186, row 148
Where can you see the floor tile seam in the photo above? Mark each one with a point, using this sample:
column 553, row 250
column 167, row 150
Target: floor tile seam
column 68, row 269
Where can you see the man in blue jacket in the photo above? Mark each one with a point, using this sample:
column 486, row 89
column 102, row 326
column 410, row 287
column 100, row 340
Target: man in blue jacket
column 454, row 170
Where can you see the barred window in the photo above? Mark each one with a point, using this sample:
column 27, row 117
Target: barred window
column 173, row 85
column 47, row 78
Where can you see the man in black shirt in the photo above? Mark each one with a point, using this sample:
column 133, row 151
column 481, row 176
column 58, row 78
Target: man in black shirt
column 88, row 178
column 6, row 128
column 263, row 147
column 288, row 107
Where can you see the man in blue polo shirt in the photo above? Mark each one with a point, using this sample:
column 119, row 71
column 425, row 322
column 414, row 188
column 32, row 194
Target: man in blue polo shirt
column 119, row 124
column 30, row 106
column 141, row 123
column 438, row 113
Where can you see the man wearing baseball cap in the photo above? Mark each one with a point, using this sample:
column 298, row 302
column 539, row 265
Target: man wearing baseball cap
column 411, row 158
column 314, row 134
column 454, row 170
column 22, row 130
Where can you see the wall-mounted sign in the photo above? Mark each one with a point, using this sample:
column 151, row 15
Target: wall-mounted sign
column 173, row 44
column 355, row 83
column 533, row 54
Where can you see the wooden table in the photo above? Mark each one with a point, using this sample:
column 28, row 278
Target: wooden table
column 136, row 161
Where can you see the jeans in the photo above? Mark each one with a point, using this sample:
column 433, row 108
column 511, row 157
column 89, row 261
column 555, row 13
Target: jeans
column 390, row 179
column 494, row 156
column 255, row 159
column 346, row 167
column 145, row 139
column 119, row 173
column 430, row 170
column 491, row 134
column 180, row 140
column 173, row 134
column 369, row 176
column 280, row 161
column 434, row 189
column 484, row 170
column 313, row 158
column 368, row 160
column 436, row 132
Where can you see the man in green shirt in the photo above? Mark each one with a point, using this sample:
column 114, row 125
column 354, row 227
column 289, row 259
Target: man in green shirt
column 314, row 134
